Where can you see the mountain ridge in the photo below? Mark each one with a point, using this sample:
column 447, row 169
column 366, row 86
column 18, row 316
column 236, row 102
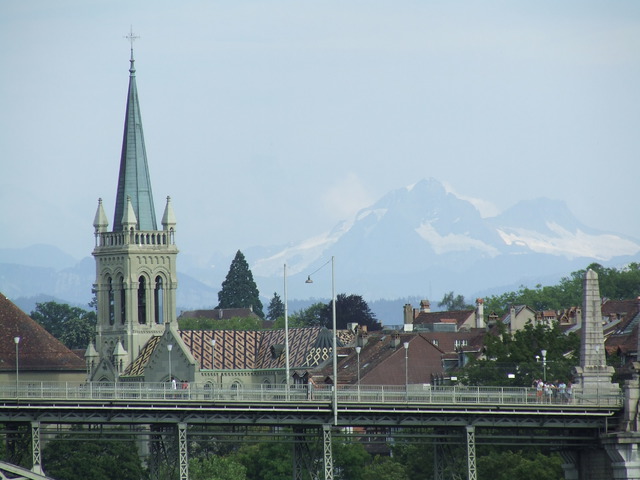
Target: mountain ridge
column 419, row 240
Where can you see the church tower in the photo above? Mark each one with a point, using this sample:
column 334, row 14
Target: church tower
column 135, row 262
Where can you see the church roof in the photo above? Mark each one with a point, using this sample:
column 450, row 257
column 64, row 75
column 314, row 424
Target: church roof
column 249, row 349
column 38, row 350
column 133, row 179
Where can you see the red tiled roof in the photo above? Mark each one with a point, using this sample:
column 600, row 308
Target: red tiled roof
column 38, row 350
column 457, row 316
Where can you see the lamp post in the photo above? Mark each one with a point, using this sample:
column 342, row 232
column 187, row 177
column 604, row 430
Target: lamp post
column 406, row 370
column 544, row 365
column 335, row 341
column 169, row 348
column 17, row 341
column 286, row 332
column 358, row 348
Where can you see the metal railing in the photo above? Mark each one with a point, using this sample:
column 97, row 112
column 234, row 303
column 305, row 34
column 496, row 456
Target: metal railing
column 364, row 394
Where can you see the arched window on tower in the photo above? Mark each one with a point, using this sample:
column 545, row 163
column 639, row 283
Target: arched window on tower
column 142, row 301
column 123, row 302
column 158, row 299
column 111, row 295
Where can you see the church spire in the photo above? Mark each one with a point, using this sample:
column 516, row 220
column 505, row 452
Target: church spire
column 133, row 179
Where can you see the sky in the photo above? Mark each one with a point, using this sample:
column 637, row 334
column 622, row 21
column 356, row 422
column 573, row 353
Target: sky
column 267, row 122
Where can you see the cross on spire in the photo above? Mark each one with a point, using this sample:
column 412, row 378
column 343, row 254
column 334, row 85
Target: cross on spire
column 132, row 37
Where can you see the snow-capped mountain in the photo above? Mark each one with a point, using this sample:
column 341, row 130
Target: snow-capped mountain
column 425, row 240
column 416, row 241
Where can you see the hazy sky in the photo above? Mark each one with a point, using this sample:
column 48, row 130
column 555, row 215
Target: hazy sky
column 269, row 121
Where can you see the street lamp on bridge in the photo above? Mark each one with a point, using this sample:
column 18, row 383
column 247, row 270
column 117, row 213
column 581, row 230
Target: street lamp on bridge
column 17, row 341
column 544, row 365
column 169, row 348
column 406, row 369
column 358, row 348
column 335, row 341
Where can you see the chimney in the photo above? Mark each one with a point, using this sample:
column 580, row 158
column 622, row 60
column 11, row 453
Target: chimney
column 425, row 306
column 480, row 313
column 363, row 337
column 408, row 314
column 395, row 340
column 512, row 316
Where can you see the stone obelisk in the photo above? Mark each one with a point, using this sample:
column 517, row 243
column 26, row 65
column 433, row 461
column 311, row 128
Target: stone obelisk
column 593, row 376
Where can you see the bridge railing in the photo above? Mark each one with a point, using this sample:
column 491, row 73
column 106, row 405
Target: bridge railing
column 365, row 394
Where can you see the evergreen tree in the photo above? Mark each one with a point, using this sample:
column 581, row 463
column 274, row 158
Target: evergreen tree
column 238, row 289
column 276, row 308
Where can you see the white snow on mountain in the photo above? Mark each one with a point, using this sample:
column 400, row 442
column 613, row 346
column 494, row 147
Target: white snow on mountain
column 453, row 242
column 570, row 244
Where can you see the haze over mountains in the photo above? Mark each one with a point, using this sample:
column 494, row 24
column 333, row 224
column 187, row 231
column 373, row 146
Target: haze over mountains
column 420, row 241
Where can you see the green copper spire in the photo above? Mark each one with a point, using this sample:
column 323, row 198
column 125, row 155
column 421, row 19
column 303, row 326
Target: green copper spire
column 134, row 181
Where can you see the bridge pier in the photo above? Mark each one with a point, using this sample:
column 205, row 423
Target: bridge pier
column 438, row 460
column 570, row 465
column 183, row 452
column 472, row 473
column 622, row 449
column 303, row 457
column 328, row 454
column 35, row 448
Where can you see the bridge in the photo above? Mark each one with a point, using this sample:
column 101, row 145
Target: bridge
column 441, row 415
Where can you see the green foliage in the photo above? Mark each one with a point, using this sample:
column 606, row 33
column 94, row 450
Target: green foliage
column 73, row 326
column 235, row 323
column 216, row 468
column 276, row 308
column 293, row 320
column 530, row 465
column 451, row 302
column 15, row 446
column 385, row 468
column 69, row 458
column 238, row 289
column 349, row 309
column 350, row 459
column 266, row 461
column 312, row 316
column 416, row 457
column 352, row 309
column 616, row 284
column 516, row 354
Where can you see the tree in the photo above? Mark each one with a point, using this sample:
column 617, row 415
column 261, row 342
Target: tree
column 238, row 289
column 385, row 468
column 616, row 284
column 350, row 309
column 350, row 459
column 235, row 323
column 216, row 468
column 530, row 465
column 73, row 326
column 276, row 308
column 70, row 458
column 266, row 461
column 312, row 316
column 516, row 353
column 451, row 302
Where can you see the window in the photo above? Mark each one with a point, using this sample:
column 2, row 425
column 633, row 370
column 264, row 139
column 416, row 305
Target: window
column 158, row 300
column 112, row 312
column 142, row 301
